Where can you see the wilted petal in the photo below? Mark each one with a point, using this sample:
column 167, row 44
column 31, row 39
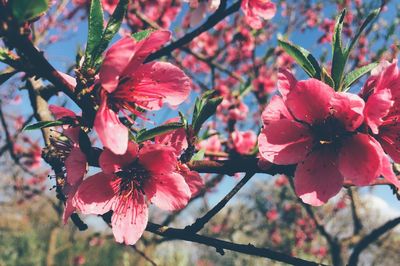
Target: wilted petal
column 318, row 179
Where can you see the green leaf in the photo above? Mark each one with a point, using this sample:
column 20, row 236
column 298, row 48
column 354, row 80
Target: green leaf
column 303, row 57
column 355, row 75
column 325, row 77
column 208, row 109
column 198, row 156
column 141, row 35
column 96, row 23
column 151, row 133
column 109, row 32
column 366, row 22
column 24, row 10
column 338, row 56
column 44, row 124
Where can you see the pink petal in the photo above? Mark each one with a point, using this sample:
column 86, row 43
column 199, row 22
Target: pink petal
column 348, row 108
column 318, row 179
column 161, row 81
column 168, row 191
column 72, row 133
column 128, row 226
column 145, row 47
column 95, row 195
column 158, row 158
column 309, row 100
column 387, row 171
column 112, row 163
column 286, row 82
column 70, row 80
column 176, row 138
column 115, row 62
column 390, row 144
column 76, row 166
column 192, row 178
column 377, row 107
column 275, row 110
column 359, row 159
column 69, row 208
column 60, row 112
column 285, row 142
column 112, row 133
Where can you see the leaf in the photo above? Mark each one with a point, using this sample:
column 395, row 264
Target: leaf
column 209, row 109
column 141, row 35
column 109, row 32
column 198, row 156
column 325, row 77
column 366, row 22
column 356, row 74
column 338, row 56
column 6, row 75
column 95, row 28
column 303, row 57
column 151, row 133
column 24, row 10
column 44, row 124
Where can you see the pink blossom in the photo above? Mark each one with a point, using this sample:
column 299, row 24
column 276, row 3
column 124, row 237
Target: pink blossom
column 128, row 83
column 272, row 215
column 382, row 111
column 254, row 9
column 243, row 141
column 109, row 5
column 315, row 127
column 211, row 144
column 67, row 146
column 126, row 181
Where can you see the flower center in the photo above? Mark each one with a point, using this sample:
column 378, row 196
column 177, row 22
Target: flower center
column 328, row 132
column 132, row 178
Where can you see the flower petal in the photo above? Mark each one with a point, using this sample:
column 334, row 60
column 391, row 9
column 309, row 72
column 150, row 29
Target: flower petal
column 128, row 226
column 158, row 83
column 348, row 108
column 158, row 158
column 95, row 195
column 76, row 166
column 377, row 107
column 318, row 179
column 168, row 191
column 309, row 100
column 285, row 142
column 60, row 112
column 286, row 82
column 111, row 163
column 115, row 62
column 275, row 110
column 359, row 159
column 112, row 133
column 144, row 48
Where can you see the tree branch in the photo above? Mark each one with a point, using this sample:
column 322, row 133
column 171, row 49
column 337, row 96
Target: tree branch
column 370, row 238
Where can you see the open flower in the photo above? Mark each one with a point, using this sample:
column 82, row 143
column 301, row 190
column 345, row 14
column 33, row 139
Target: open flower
column 126, row 181
column 317, row 128
column 254, row 10
column 127, row 83
column 67, row 147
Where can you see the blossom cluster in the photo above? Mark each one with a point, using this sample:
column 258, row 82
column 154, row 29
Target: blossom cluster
column 333, row 136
